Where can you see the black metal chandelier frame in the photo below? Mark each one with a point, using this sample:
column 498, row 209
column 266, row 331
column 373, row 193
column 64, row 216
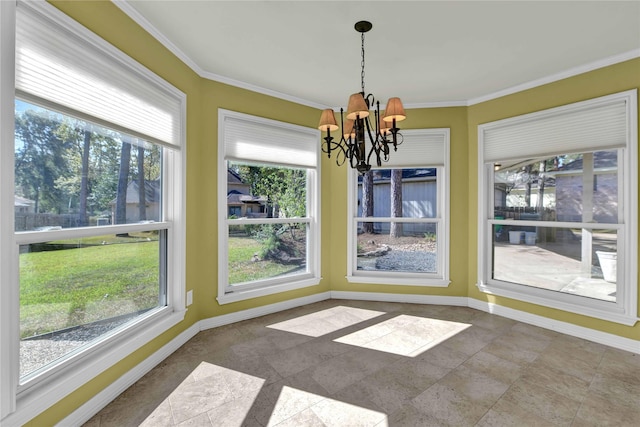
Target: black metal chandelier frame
column 352, row 145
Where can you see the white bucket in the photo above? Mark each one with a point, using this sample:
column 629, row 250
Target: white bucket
column 515, row 237
column 530, row 237
column 608, row 264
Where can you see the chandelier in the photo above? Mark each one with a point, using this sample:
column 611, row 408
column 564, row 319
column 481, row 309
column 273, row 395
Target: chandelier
column 357, row 131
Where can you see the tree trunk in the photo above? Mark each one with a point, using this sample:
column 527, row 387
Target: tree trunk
column 123, row 181
column 527, row 188
column 367, row 201
column 84, row 179
column 142, row 202
column 543, row 169
column 396, row 202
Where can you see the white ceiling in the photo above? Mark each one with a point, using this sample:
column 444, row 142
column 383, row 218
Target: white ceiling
column 426, row 52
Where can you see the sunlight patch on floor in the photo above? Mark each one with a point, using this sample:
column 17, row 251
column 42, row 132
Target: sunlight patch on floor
column 404, row 335
column 326, row 321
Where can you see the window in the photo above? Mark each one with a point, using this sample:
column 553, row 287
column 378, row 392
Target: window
column 398, row 226
column 95, row 239
column 557, row 204
column 273, row 245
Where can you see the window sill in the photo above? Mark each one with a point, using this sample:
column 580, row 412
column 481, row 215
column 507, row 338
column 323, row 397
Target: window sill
column 408, row 281
column 602, row 310
column 241, row 295
column 40, row 394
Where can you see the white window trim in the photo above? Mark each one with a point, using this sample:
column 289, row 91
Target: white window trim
column 624, row 310
column 277, row 285
column 22, row 402
column 441, row 277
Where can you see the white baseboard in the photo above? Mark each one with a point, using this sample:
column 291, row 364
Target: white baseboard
column 408, row 298
column 558, row 326
column 113, row 390
column 226, row 319
column 99, row 401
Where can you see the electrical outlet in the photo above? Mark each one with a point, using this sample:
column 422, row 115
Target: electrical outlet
column 189, row 298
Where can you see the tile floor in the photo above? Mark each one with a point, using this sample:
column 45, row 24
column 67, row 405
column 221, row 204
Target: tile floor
column 357, row 363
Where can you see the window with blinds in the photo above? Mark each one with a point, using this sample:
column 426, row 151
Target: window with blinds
column 399, row 228
column 558, row 207
column 268, row 206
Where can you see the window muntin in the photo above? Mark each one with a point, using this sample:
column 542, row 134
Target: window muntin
column 405, row 242
column 585, row 214
column 274, row 245
column 75, row 290
column 389, row 244
column 268, row 168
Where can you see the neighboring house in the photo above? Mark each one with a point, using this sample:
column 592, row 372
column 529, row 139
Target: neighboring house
column 23, row 205
column 419, row 197
column 605, row 194
column 152, row 196
column 240, row 203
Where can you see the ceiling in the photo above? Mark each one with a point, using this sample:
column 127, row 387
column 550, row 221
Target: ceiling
column 428, row 53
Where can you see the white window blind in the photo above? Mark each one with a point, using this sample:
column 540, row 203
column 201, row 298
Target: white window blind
column 61, row 69
column 250, row 138
column 585, row 126
column 420, row 148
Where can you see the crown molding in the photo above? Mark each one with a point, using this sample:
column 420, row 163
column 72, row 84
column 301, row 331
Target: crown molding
column 147, row 26
column 581, row 69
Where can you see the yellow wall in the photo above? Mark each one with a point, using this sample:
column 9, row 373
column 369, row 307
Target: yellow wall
column 604, row 81
column 205, row 97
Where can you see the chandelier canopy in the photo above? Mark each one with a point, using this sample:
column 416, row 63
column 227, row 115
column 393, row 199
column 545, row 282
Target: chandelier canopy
column 361, row 140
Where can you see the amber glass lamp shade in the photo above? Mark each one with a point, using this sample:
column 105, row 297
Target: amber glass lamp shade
column 394, row 110
column 357, row 107
column 327, row 121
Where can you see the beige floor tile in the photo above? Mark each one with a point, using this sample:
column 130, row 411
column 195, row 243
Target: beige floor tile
column 201, row 420
column 558, row 381
column 496, row 372
column 477, row 386
column 494, row 367
column 542, row 401
column 409, row 416
column 334, row 413
column 565, row 361
column 450, row 406
column 507, row 415
column 598, row 411
column 198, row 397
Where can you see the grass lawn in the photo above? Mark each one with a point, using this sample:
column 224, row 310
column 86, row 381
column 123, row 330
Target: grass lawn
column 64, row 288
column 243, row 269
column 119, row 275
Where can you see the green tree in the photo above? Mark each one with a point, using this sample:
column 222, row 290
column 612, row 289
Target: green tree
column 41, row 160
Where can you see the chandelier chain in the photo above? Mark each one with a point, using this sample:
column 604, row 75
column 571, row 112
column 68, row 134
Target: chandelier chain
column 362, row 65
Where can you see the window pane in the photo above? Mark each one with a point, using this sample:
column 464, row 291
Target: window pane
column 72, row 292
column 399, row 247
column 266, row 251
column 71, row 173
column 568, row 187
column 416, row 191
column 568, row 260
column 258, row 191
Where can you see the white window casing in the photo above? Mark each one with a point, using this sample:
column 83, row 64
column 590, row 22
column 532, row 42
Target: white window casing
column 605, row 123
column 62, row 66
column 251, row 139
column 421, row 148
